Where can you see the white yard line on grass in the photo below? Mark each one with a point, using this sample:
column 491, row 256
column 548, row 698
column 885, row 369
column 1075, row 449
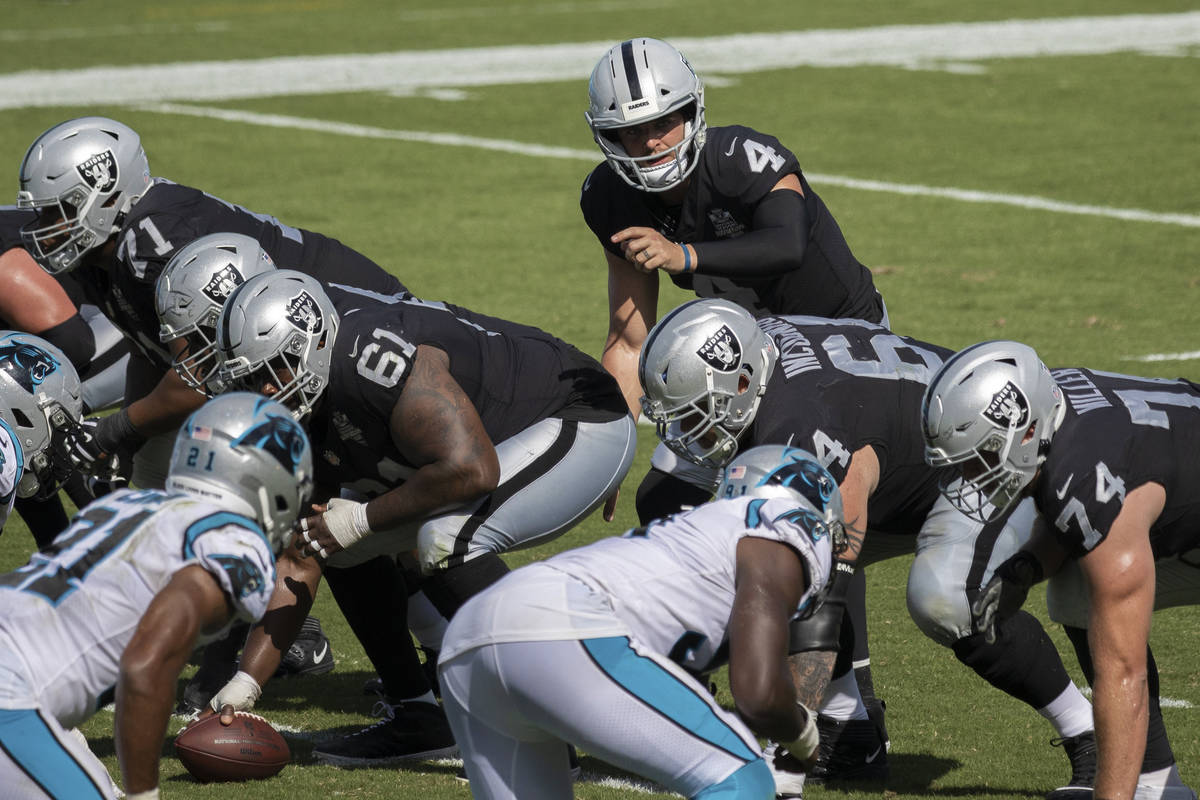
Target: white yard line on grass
column 544, row 151
column 955, row 47
column 1190, row 356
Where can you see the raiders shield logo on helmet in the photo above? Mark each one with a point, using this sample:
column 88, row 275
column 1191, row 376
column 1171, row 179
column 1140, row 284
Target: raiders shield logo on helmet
column 222, row 284
column 722, row 351
column 1008, row 408
column 302, row 311
column 100, row 171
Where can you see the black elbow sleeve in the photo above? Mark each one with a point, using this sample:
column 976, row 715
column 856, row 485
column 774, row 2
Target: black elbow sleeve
column 75, row 338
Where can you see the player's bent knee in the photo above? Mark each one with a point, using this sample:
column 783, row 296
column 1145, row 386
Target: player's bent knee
column 751, row 781
column 939, row 609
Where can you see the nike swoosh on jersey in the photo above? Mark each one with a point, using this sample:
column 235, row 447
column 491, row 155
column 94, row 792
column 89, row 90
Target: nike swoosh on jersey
column 732, row 145
column 1063, row 491
column 354, row 350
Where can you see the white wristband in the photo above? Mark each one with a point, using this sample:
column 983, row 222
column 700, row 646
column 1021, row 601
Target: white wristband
column 347, row 521
column 804, row 746
column 241, row 692
column 149, row 794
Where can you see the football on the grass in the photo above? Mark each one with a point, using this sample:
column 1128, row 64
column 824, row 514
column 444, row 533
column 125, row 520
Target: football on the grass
column 249, row 748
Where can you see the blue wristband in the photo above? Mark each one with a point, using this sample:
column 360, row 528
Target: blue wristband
column 687, row 259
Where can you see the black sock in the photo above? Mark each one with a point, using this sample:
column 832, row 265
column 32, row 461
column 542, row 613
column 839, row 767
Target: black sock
column 373, row 597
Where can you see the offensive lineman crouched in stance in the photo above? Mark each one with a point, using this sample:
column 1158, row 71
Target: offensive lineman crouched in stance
column 132, row 586
column 622, row 625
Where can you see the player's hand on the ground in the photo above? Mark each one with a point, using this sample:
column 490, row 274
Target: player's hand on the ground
column 647, row 250
column 240, row 693
column 1005, row 593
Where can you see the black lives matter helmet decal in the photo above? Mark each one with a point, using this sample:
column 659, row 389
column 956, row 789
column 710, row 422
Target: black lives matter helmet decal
column 100, row 171
column 1009, row 408
column 722, row 351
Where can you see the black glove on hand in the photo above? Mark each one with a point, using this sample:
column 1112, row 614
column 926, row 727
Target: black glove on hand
column 94, row 444
column 1005, row 593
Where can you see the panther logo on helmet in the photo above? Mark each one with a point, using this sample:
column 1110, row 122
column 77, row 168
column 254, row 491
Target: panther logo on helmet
column 26, row 364
column 806, row 477
column 100, row 171
column 279, row 436
column 1008, row 408
column 303, row 312
column 722, row 351
column 222, row 284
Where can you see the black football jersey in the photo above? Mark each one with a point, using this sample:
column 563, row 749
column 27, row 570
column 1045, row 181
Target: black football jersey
column 840, row 385
column 515, row 375
column 1119, row 433
column 738, row 167
column 169, row 216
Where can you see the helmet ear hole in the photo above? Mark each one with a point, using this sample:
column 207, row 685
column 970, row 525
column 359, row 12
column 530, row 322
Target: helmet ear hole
column 743, row 383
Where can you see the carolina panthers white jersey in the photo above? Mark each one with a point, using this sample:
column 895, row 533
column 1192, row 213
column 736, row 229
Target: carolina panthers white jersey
column 67, row 616
column 670, row 585
column 12, row 465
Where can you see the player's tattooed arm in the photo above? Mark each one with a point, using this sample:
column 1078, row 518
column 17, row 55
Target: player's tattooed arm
column 811, row 674
column 437, row 429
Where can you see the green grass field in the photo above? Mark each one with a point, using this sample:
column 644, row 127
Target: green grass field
column 1031, row 182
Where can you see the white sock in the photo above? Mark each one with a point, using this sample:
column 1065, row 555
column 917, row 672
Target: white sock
column 842, row 700
column 1070, row 713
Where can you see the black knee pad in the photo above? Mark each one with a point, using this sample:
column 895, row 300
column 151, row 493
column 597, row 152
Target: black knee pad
column 449, row 588
column 1022, row 662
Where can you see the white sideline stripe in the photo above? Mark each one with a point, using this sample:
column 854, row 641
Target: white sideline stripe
column 1168, row 702
column 956, row 47
column 1192, row 356
column 521, row 148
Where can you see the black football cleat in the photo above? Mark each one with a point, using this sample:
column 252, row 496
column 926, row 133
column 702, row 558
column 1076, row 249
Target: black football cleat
column 310, row 654
column 410, row 731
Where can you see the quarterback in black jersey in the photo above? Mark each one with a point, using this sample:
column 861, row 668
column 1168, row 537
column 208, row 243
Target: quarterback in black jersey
column 101, row 214
column 454, row 434
column 724, row 212
column 1110, row 462
column 718, row 381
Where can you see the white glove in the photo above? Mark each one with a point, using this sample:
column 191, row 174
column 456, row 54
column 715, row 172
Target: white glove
column 347, row 521
column 241, row 692
column 804, row 746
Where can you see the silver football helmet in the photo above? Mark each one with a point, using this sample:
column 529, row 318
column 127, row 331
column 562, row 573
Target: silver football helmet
column 81, row 176
column 278, row 328
column 704, row 368
column 990, row 410
column 776, row 470
column 192, row 290
column 41, row 400
column 247, row 453
column 640, row 80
